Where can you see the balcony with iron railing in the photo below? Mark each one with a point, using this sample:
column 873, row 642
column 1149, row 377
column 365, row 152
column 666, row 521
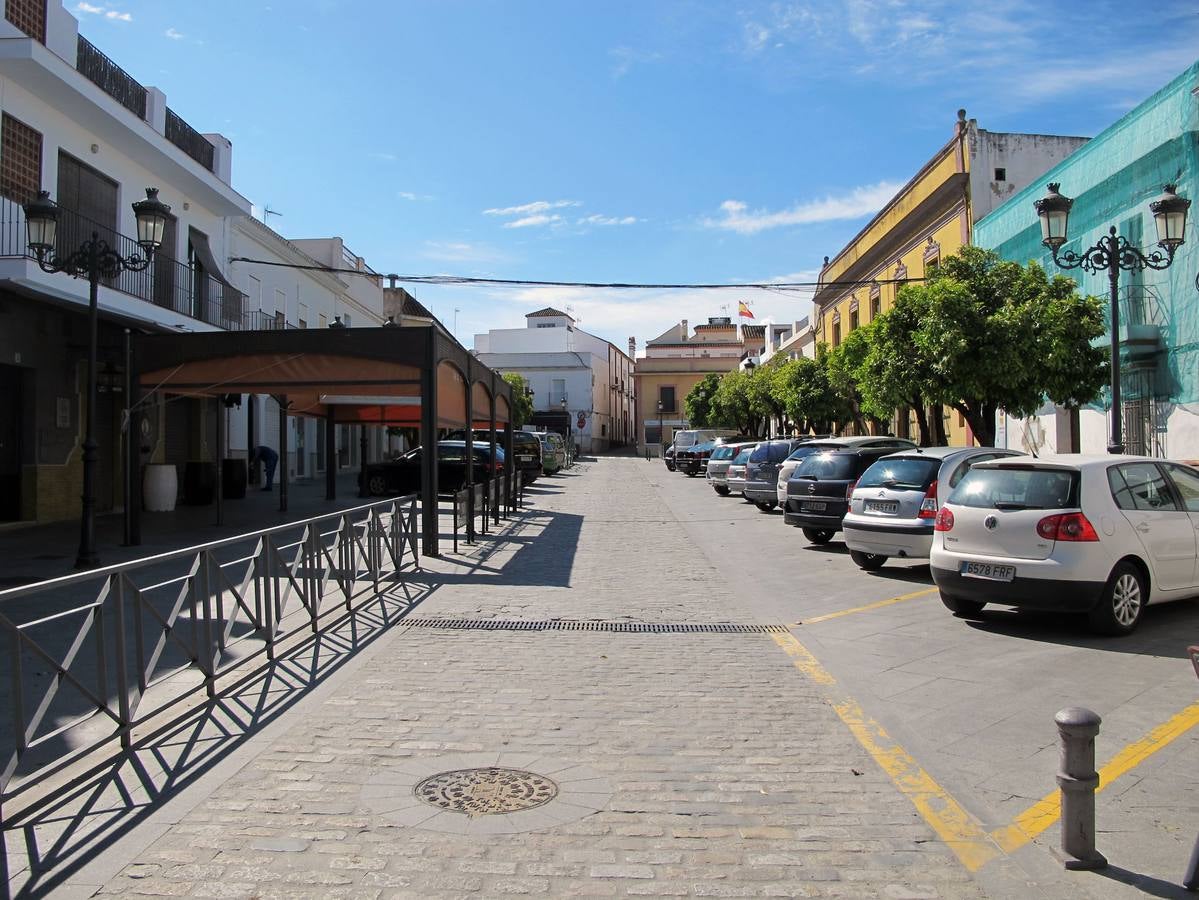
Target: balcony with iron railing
column 91, row 63
column 166, row 283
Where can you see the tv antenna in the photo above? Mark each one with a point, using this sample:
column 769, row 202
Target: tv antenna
column 267, row 211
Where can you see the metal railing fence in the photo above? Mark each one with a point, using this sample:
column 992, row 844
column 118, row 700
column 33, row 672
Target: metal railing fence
column 202, row 610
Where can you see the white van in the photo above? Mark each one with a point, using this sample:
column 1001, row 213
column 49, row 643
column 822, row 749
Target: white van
column 685, row 439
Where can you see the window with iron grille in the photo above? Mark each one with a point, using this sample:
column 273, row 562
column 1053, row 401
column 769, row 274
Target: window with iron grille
column 20, row 160
column 667, row 397
column 29, row 16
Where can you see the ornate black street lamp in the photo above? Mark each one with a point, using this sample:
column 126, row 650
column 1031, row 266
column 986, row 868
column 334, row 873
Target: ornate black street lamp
column 1114, row 253
column 93, row 259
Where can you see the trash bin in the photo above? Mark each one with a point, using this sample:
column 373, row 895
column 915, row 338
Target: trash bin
column 199, row 483
column 233, row 479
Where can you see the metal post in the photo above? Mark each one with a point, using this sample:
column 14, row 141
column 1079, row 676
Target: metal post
column 1116, row 444
column 492, row 475
column 330, row 453
column 1077, row 778
column 86, row 558
column 132, row 441
column 221, row 412
column 362, row 491
column 282, row 401
column 428, row 436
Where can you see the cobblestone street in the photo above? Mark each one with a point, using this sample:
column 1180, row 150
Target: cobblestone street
column 689, row 761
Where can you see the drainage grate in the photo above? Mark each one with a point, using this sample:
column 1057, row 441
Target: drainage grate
column 600, row 625
column 485, row 792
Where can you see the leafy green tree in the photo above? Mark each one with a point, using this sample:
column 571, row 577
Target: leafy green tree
column 893, row 375
column 808, row 396
column 739, row 402
column 998, row 335
column 846, row 363
column 522, row 404
column 700, row 403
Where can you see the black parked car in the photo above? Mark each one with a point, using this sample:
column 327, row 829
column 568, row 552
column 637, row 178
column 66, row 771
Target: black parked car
column 401, row 475
column 668, row 456
column 526, row 448
column 819, row 490
column 762, row 471
column 693, row 460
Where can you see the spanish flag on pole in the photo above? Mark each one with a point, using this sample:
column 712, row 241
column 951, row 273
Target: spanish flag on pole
column 744, row 310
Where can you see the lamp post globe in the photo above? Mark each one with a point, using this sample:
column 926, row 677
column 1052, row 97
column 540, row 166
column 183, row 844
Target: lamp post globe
column 92, row 259
column 1054, row 212
column 1170, row 216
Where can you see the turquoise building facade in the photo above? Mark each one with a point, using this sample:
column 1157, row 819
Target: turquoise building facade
column 1112, row 179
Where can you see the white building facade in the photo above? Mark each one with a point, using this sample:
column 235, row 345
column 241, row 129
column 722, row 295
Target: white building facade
column 582, row 384
column 76, row 125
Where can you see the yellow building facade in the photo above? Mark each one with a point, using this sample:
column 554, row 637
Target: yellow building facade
column 930, row 218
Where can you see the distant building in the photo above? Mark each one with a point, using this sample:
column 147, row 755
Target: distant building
column 929, row 219
column 582, row 384
column 787, row 341
column 1113, row 179
column 676, row 360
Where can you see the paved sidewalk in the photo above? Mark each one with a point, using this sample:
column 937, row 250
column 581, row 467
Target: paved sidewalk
column 689, row 758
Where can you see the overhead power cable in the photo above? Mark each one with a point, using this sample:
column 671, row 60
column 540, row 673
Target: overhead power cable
column 776, row 286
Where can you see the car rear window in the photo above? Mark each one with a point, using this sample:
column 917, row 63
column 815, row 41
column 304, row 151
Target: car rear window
column 779, row 451
column 743, row 457
column 761, row 453
column 800, row 453
column 828, row 466
column 905, row 472
column 1017, row 488
column 724, row 452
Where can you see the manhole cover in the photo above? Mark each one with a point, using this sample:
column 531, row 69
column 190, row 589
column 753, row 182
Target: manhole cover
column 486, row 791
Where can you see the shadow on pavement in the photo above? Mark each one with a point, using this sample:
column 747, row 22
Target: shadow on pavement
column 917, row 574
column 1162, row 632
column 1146, row 884
column 72, row 824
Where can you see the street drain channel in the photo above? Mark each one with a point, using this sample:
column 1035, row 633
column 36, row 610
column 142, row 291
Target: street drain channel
column 620, row 627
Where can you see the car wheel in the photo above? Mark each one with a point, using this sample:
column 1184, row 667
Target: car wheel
column 1123, row 601
column 376, row 485
column 819, row 535
column 692, row 474
column 721, row 489
column 766, row 506
column 871, row 562
column 961, row 607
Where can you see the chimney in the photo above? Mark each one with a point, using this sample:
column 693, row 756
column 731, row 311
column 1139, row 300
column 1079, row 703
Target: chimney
column 632, row 347
column 684, row 329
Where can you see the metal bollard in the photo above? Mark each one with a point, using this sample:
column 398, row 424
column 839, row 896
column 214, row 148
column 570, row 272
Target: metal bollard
column 1078, row 780
column 1190, row 881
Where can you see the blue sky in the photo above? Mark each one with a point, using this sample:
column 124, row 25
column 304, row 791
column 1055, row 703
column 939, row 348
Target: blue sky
column 619, row 141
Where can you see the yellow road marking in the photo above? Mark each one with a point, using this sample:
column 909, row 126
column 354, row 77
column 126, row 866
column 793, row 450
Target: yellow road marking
column 869, row 606
column 960, row 831
column 1047, row 810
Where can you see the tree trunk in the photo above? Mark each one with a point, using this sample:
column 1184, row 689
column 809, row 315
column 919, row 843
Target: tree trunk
column 922, row 421
column 981, row 419
column 937, row 424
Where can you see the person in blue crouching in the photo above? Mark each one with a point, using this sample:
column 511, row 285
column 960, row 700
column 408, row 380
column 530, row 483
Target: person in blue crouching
column 270, row 460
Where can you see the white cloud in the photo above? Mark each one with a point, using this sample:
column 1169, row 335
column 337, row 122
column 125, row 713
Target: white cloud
column 174, row 35
column 460, row 251
column 383, row 156
column 861, row 201
column 114, row 15
column 626, row 57
column 534, row 221
column 608, row 220
column 526, row 209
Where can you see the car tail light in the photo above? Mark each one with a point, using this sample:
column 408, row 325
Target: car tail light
column 944, row 520
column 928, row 507
column 1072, row 527
column 849, row 490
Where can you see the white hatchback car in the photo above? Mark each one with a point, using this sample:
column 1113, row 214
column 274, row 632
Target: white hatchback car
column 1104, row 535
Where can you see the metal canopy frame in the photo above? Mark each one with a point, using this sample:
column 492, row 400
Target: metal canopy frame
column 347, row 376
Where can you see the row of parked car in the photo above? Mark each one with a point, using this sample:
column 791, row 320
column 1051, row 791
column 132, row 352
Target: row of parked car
column 1100, row 535
column 535, row 453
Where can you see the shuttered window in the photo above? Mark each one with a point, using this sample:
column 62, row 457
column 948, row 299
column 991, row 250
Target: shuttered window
column 20, row 160
column 89, row 201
